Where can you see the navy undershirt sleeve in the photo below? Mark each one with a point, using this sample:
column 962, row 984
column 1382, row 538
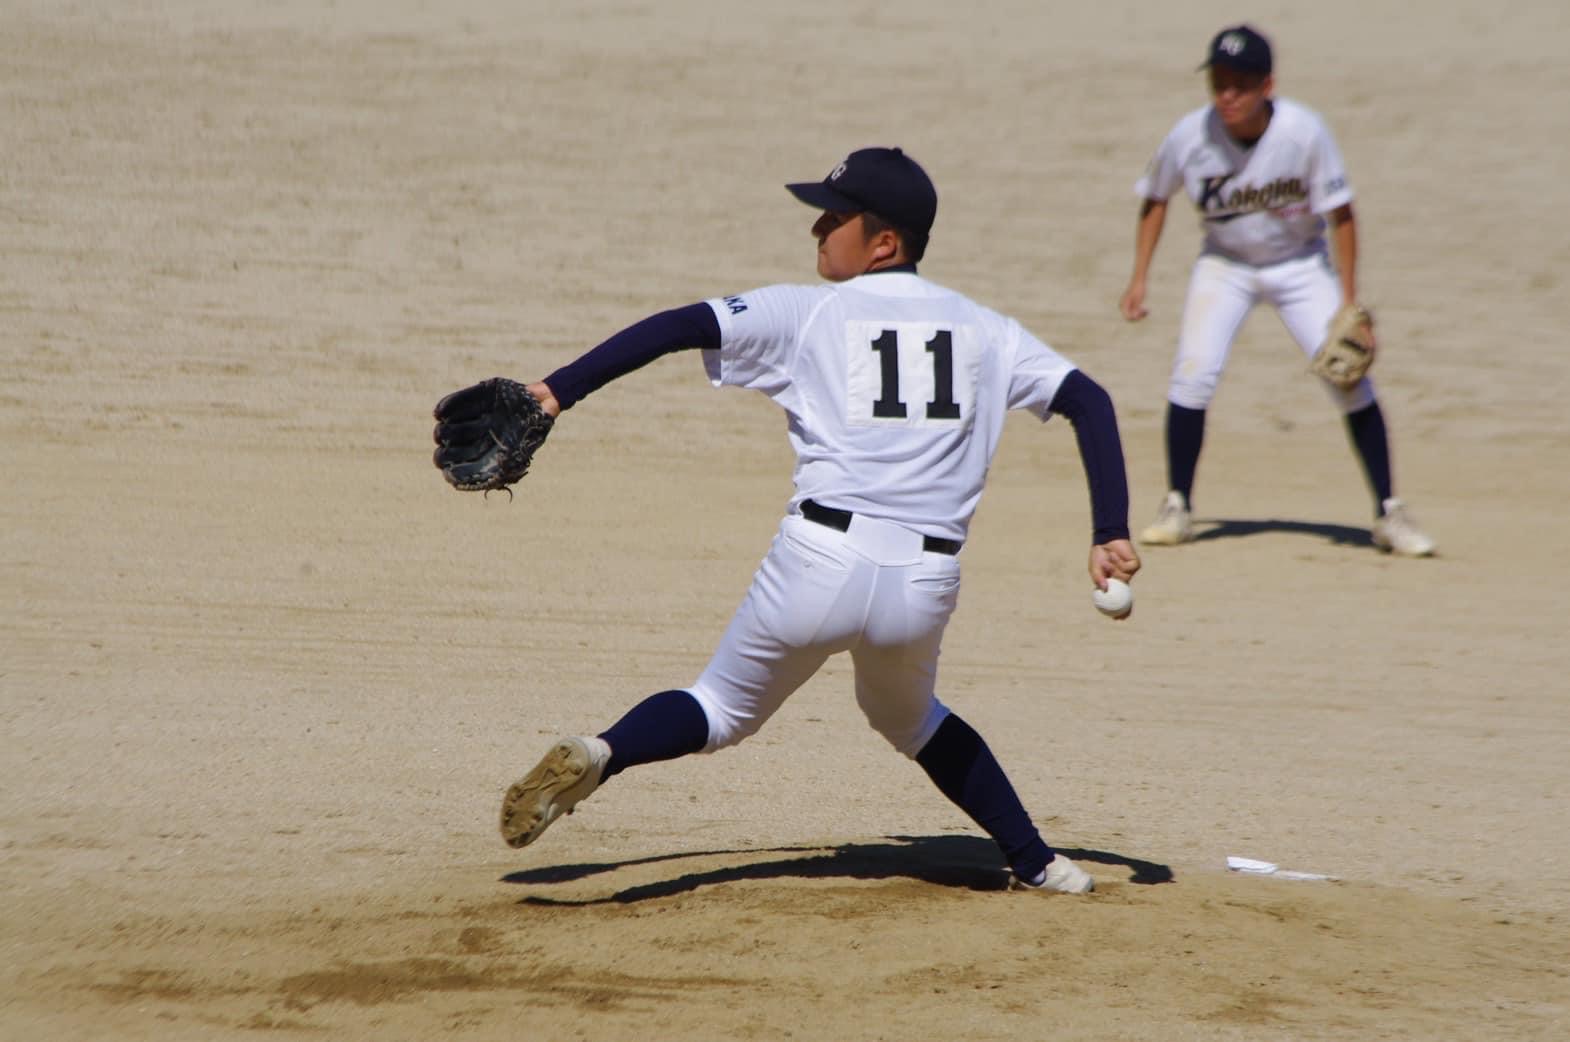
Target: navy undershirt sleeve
column 1089, row 408
column 633, row 348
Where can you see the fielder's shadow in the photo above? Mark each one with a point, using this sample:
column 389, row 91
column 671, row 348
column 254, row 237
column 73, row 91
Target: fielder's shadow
column 1207, row 529
column 962, row 862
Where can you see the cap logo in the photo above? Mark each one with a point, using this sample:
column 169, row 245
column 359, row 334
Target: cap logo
column 834, row 175
column 1233, row 44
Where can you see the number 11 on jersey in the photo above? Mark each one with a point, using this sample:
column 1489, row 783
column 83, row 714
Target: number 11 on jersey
column 909, row 375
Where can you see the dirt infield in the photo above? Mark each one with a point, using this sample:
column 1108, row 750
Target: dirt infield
column 264, row 677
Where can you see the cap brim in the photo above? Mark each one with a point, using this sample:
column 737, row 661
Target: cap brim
column 1225, row 64
column 819, row 195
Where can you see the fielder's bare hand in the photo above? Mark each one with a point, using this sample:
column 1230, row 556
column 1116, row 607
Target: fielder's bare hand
column 1132, row 303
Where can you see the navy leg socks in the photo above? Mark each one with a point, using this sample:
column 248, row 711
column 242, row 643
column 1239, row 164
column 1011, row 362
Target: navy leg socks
column 661, row 727
column 958, row 761
column 1367, row 430
column 1185, row 437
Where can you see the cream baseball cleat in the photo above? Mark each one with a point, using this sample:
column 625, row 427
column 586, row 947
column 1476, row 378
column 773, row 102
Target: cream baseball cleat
column 1396, row 531
column 559, row 782
column 1061, row 877
column 1173, row 524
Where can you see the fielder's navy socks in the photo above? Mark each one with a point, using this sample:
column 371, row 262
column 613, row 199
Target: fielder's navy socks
column 958, row 761
column 1367, row 429
column 1185, row 437
column 661, row 727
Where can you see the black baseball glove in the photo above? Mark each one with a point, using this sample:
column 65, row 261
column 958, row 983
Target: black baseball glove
column 487, row 434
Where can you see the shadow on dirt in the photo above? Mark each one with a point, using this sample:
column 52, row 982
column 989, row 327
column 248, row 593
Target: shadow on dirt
column 1206, row 529
column 963, row 862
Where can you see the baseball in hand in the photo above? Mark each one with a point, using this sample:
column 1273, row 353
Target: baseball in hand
column 1117, row 600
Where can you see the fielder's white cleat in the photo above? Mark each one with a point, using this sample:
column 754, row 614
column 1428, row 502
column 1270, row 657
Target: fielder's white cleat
column 567, row 774
column 1061, row 877
column 1173, row 524
column 1396, row 531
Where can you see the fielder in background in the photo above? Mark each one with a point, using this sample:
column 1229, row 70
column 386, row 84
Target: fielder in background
column 895, row 390
column 1265, row 174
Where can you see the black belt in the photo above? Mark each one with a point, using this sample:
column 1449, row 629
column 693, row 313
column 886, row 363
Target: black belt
column 840, row 519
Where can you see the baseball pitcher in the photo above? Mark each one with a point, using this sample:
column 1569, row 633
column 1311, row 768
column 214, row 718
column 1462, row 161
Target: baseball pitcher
column 896, row 390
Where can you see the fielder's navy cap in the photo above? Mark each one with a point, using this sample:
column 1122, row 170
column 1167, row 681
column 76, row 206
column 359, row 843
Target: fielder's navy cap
column 883, row 181
column 1242, row 48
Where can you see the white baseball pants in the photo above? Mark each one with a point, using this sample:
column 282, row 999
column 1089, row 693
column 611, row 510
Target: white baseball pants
column 1305, row 294
column 871, row 591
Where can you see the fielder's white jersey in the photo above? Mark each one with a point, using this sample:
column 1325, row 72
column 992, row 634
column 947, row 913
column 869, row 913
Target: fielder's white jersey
column 895, row 389
column 1261, row 204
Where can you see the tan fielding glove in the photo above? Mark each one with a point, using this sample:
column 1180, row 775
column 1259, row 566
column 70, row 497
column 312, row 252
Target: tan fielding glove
column 1348, row 348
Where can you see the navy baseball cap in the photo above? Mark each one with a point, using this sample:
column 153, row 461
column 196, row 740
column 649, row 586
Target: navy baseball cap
column 882, row 181
column 1242, row 48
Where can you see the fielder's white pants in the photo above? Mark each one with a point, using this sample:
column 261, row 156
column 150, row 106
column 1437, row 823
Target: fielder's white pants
column 1305, row 294
column 871, row 591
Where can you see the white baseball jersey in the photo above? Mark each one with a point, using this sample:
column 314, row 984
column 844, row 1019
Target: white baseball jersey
column 895, row 389
column 1260, row 204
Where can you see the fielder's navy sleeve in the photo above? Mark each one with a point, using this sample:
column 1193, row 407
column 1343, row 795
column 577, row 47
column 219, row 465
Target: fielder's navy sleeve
column 633, row 348
column 1089, row 408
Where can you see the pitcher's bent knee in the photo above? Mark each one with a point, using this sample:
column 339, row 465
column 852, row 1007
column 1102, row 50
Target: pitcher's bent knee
column 728, row 724
column 910, row 740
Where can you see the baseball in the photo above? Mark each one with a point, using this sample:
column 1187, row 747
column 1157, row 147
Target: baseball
column 1117, row 600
